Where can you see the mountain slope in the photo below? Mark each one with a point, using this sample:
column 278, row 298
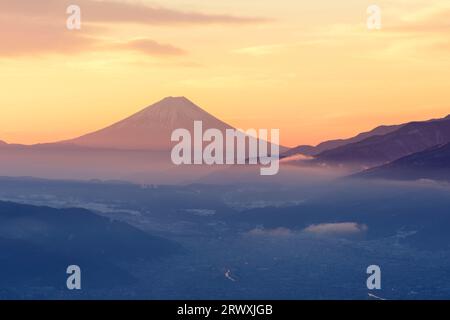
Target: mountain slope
column 150, row 128
column 408, row 139
column 39, row 243
column 79, row 232
column 433, row 163
column 331, row 144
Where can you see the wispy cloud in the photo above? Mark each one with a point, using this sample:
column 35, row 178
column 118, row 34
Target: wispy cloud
column 149, row 47
column 410, row 30
column 39, row 27
column 118, row 12
column 429, row 20
column 20, row 36
column 340, row 229
column 343, row 228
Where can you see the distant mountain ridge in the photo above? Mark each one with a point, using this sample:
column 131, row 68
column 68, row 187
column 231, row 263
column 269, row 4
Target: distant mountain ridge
column 408, row 139
column 332, row 144
column 433, row 163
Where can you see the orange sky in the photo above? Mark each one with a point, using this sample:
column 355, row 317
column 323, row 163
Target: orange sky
column 310, row 68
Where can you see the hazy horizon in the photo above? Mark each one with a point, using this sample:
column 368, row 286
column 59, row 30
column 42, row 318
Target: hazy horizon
column 149, row 106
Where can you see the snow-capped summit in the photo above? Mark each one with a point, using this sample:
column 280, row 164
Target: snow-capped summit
column 151, row 128
column 170, row 112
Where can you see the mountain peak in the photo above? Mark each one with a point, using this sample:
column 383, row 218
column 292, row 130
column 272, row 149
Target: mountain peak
column 170, row 101
column 151, row 128
column 169, row 112
column 179, row 99
column 173, row 103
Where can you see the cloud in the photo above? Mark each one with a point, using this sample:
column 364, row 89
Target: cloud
column 343, row 228
column 149, row 47
column 135, row 13
column 94, row 11
column 21, row 37
column 39, row 27
column 44, row 38
column 411, row 30
column 435, row 21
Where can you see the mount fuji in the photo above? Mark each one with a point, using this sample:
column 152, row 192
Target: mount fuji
column 150, row 128
column 135, row 149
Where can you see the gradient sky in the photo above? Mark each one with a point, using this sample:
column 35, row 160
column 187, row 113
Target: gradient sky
column 310, row 68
